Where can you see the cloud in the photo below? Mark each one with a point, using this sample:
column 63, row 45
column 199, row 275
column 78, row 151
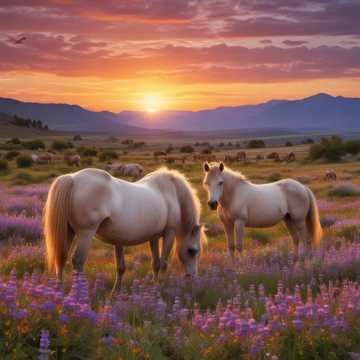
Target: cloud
column 220, row 63
column 294, row 42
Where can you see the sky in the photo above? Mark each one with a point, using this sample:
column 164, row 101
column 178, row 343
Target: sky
column 177, row 54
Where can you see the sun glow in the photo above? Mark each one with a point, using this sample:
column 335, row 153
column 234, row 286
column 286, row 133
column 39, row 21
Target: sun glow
column 153, row 103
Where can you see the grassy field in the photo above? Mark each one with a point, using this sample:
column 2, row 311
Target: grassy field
column 263, row 305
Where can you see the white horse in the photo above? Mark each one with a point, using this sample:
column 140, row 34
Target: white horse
column 244, row 204
column 91, row 202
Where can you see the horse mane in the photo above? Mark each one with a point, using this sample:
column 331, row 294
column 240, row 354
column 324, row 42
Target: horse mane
column 190, row 205
column 236, row 175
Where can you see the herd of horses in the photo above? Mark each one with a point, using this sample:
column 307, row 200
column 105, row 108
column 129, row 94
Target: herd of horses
column 48, row 157
column 240, row 156
column 164, row 206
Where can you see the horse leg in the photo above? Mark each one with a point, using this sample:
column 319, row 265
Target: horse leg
column 82, row 243
column 154, row 246
column 290, row 224
column 239, row 235
column 59, row 272
column 120, row 268
column 229, row 232
column 304, row 235
column 167, row 245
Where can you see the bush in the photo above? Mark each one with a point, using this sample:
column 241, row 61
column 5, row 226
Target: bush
column 255, row 144
column 206, row 151
column 107, row 155
column 33, row 144
column 331, row 149
column 262, row 237
column 187, row 149
column 352, row 147
column 289, row 143
column 11, row 154
column 77, row 137
column 4, row 165
column 60, row 145
column 169, row 149
column 14, row 141
column 24, row 161
column 87, row 152
column 87, row 161
column 275, row 176
column 23, row 179
column 345, row 190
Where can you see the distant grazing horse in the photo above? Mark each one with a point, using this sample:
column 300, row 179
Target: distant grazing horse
column 72, row 159
column 204, row 157
column 134, row 170
column 290, row 157
column 42, row 158
column 274, row 155
column 91, row 202
column 244, row 204
column 330, row 175
column 241, row 156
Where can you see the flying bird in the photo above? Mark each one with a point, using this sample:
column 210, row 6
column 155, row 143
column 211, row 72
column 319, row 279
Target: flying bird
column 17, row 41
column 20, row 40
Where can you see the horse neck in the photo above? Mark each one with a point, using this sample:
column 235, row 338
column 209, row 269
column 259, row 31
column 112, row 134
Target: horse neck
column 231, row 183
column 188, row 206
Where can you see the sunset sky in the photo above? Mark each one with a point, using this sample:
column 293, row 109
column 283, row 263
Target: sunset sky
column 177, row 54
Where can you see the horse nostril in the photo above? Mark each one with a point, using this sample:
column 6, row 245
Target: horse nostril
column 213, row 205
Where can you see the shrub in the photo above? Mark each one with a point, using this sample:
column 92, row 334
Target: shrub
column 23, row 179
column 11, row 154
column 331, row 149
column 345, row 190
column 169, row 149
column 275, row 176
column 4, row 165
column 187, row 149
column 60, row 145
column 352, row 147
column 87, row 152
column 86, row 161
column 77, row 137
column 34, row 144
column 107, row 155
column 127, row 142
column 349, row 232
column 262, row 237
column 289, row 143
column 206, row 151
column 24, row 161
column 255, row 144
column 14, row 141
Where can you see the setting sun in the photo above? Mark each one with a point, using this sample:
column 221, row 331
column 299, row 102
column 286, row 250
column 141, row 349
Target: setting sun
column 153, row 103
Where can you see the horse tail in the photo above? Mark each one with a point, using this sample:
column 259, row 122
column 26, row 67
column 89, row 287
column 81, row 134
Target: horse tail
column 56, row 217
column 313, row 220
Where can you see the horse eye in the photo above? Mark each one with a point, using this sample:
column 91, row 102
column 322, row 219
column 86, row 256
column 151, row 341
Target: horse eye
column 192, row 251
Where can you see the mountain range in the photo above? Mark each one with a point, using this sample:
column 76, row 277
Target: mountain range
column 317, row 112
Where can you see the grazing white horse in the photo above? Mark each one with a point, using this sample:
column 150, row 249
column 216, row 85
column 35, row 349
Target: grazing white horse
column 91, row 202
column 244, row 204
column 134, row 170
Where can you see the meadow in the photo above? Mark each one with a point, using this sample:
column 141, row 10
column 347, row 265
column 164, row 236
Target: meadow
column 265, row 304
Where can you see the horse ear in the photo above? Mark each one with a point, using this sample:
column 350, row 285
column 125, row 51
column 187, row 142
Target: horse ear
column 221, row 166
column 206, row 167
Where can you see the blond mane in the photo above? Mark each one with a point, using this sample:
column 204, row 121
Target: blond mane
column 187, row 196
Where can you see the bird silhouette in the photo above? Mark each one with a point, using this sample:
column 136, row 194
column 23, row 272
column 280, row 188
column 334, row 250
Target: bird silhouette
column 20, row 40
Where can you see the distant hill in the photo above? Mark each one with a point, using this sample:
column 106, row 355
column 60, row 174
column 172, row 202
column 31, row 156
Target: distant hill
column 13, row 126
column 317, row 112
column 73, row 118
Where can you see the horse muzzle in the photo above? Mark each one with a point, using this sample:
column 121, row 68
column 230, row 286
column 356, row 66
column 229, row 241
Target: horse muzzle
column 213, row 204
